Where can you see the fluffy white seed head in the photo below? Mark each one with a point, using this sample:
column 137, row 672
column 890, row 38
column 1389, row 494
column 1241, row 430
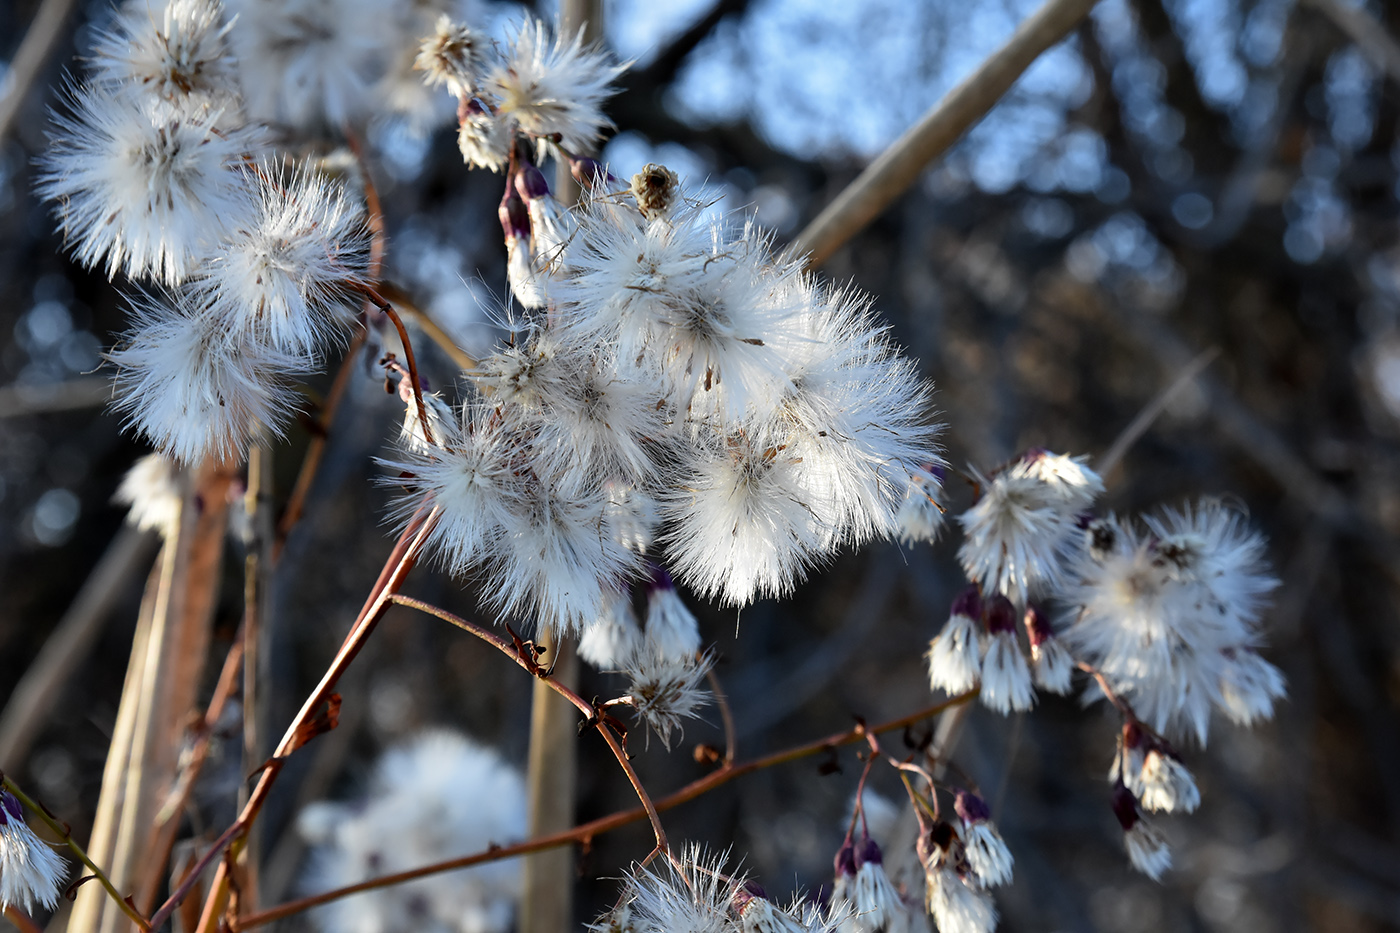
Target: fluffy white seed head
column 142, row 189
column 692, row 894
column 1018, row 532
column 285, row 276
column 553, row 87
column 438, row 796
column 1166, row 617
column 175, row 52
column 740, row 525
column 452, row 57
column 310, row 64
column 667, row 691
column 194, row 390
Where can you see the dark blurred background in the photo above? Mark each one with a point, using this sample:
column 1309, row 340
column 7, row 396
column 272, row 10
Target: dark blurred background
column 1179, row 175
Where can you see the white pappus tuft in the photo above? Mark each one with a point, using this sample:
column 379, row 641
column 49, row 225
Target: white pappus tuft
column 152, row 490
column 193, row 389
column 987, row 853
column 1006, row 678
column 1147, row 847
column 285, row 275
column 310, row 64
column 610, row 641
column 453, row 57
column 666, row 691
column 1153, row 773
column 955, row 654
column 672, row 631
column 956, row 901
column 1018, row 532
column 553, row 88
column 30, row 871
column 691, row 893
column 920, row 516
column 1172, row 619
column 741, row 524
column 173, row 53
column 145, row 189
column 439, row 796
column 1050, row 661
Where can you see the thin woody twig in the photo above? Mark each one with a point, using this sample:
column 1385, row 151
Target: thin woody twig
column 401, row 560
column 61, row 829
column 583, row 706
column 73, row 638
column 44, row 32
column 587, row 831
column 383, row 304
column 891, row 174
column 1150, row 412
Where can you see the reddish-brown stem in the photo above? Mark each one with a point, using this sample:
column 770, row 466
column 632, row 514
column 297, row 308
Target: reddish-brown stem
column 21, row 920
column 726, row 716
column 1118, row 702
column 586, row 831
column 204, row 732
column 383, row 304
column 510, row 650
column 401, row 561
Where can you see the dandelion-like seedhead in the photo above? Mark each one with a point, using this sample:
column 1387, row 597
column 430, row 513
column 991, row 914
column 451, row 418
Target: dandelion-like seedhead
column 191, row 388
column 142, row 189
column 285, row 274
column 1167, row 616
column 438, row 796
column 552, row 88
column 178, row 54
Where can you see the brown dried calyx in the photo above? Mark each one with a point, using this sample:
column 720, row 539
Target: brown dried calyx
column 656, row 188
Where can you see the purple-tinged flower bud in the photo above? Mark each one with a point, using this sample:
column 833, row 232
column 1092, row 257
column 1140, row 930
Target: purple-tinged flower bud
column 588, row 172
column 530, row 183
column 1038, row 627
column 10, row 808
column 968, row 603
column 971, row 808
column 845, row 862
column 1125, row 807
column 1001, row 615
column 515, row 217
column 746, row 892
column 868, row 853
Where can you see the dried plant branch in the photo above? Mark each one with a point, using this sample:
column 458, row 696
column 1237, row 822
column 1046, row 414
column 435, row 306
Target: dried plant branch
column 44, row 32
column 900, row 165
column 550, row 681
column 1153, row 409
column 32, row 701
column 401, row 561
column 585, row 832
column 425, row 322
column 1368, row 34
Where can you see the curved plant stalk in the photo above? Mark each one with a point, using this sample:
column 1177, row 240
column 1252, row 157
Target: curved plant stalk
column 586, row 832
